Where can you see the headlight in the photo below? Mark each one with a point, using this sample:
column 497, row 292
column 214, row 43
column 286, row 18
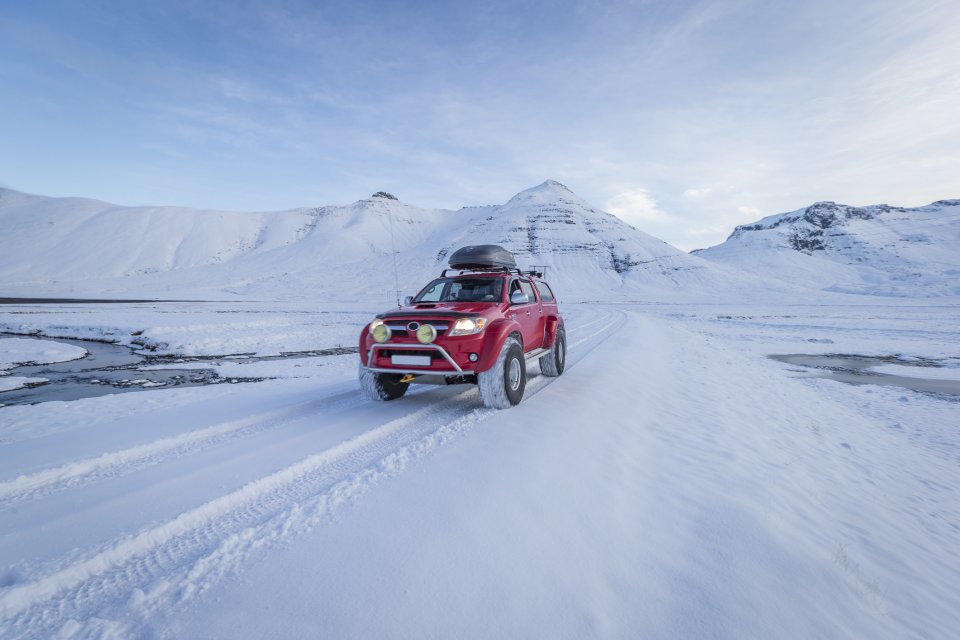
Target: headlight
column 468, row 326
column 379, row 331
column 426, row 333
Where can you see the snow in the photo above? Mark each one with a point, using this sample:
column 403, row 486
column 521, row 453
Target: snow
column 10, row 383
column 200, row 328
column 15, row 351
column 675, row 481
column 875, row 250
column 929, row 373
column 316, row 253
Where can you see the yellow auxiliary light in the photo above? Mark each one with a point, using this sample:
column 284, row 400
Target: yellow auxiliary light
column 379, row 331
column 426, row 333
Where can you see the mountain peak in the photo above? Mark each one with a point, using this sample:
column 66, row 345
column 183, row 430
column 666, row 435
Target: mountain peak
column 380, row 201
column 549, row 185
column 548, row 191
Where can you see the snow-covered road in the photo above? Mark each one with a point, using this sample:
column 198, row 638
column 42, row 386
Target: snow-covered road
column 670, row 484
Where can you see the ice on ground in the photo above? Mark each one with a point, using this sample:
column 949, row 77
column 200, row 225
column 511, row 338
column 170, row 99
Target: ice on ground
column 200, row 328
column 12, row 383
column 928, row 373
column 17, row 351
column 292, row 367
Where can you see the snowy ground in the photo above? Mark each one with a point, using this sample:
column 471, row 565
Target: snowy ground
column 674, row 482
column 18, row 351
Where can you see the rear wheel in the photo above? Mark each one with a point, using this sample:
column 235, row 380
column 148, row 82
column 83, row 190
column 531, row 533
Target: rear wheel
column 551, row 364
column 381, row 386
column 502, row 385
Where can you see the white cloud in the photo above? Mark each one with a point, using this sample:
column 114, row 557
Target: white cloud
column 638, row 208
column 741, row 103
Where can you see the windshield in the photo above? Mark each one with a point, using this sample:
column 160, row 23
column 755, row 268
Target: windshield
column 462, row 290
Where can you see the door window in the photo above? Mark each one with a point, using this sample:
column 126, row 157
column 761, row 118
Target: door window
column 545, row 293
column 527, row 288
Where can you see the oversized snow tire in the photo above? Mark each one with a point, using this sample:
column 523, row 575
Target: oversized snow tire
column 551, row 364
column 502, row 385
column 381, row 386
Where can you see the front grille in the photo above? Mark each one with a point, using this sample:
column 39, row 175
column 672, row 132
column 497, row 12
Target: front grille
column 401, row 328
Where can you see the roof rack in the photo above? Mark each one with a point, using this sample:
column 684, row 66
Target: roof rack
column 488, row 258
column 491, row 270
column 531, row 272
column 537, row 270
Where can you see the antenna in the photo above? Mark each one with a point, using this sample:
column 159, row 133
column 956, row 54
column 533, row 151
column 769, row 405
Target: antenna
column 393, row 248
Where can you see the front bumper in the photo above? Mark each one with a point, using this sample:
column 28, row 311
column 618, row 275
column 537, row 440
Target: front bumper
column 455, row 370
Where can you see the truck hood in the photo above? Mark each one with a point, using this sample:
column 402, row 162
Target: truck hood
column 444, row 308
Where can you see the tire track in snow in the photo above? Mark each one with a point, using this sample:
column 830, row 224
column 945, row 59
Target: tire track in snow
column 134, row 577
column 609, row 328
column 115, row 463
column 267, row 509
column 78, row 473
column 593, row 320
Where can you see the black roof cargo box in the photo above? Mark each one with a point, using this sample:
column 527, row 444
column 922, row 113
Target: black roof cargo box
column 482, row 256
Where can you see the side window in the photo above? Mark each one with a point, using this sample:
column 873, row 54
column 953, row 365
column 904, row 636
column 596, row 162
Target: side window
column 527, row 288
column 514, row 287
column 545, row 293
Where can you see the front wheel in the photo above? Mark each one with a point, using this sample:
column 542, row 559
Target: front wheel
column 502, row 385
column 551, row 364
column 381, row 386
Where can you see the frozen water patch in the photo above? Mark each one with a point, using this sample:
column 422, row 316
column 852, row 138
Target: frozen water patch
column 12, row 383
column 19, row 351
column 914, row 371
column 104, row 368
column 48, row 370
column 916, row 374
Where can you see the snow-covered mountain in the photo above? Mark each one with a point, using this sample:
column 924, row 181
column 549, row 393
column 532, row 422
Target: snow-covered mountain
column 879, row 250
column 549, row 225
column 73, row 246
column 380, row 247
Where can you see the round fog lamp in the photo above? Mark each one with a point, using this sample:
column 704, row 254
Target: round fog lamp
column 426, row 333
column 380, row 333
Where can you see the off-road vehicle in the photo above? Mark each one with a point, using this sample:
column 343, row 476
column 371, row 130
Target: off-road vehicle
column 478, row 323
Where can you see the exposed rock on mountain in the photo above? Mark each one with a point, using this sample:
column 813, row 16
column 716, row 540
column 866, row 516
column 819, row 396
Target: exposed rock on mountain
column 879, row 249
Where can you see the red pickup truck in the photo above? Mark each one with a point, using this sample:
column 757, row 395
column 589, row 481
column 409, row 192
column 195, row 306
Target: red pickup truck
column 478, row 323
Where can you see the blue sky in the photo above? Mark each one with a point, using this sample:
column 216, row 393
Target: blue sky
column 684, row 118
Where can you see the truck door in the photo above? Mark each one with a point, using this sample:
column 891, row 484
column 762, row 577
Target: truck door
column 529, row 315
column 548, row 304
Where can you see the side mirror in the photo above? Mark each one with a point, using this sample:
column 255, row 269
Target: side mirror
column 519, row 297
column 408, row 301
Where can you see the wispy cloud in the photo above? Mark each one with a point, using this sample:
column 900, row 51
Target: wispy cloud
column 683, row 117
